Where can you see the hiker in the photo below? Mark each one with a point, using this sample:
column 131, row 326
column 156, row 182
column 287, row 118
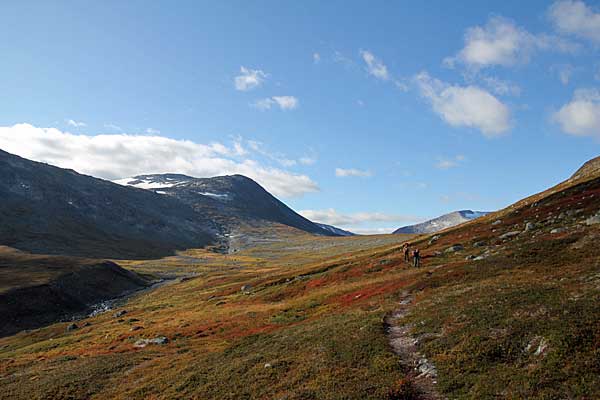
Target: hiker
column 406, row 252
column 417, row 258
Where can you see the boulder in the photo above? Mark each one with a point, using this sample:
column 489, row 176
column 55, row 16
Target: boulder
column 530, row 226
column 479, row 244
column 72, row 327
column 497, row 222
column 454, row 248
column 434, row 239
column 246, row 288
column 120, row 313
column 509, row 235
column 558, row 230
column 593, row 220
column 156, row 340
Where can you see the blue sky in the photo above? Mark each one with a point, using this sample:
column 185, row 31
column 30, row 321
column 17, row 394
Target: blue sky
column 368, row 115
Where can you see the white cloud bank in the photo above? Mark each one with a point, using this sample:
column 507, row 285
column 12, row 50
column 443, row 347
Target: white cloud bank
column 249, row 79
column 581, row 116
column 283, row 102
column 469, row 106
column 332, row 217
column 117, row 156
column 576, row 18
column 501, row 42
column 343, row 172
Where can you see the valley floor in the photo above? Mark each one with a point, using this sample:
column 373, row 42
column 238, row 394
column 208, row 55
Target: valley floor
column 305, row 318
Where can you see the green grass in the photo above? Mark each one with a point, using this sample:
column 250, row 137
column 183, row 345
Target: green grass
column 315, row 316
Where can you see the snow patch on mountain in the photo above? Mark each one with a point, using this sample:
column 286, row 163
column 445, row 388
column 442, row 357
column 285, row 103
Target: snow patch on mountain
column 218, row 196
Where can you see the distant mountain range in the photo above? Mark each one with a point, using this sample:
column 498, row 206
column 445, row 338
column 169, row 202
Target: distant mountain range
column 442, row 222
column 335, row 230
column 50, row 210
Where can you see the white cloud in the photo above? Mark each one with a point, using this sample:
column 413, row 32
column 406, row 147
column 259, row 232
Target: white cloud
column 501, row 42
column 316, row 58
column 332, row 217
column 342, row 172
column 447, row 163
column 286, row 102
column 152, row 131
column 576, row 18
column 75, row 124
column 283, row 102
column 581, row 116
column 307, row 160
column 279, row 158
column 115, row 156
column 249, row 79
column 113, row 127
column 501, row 87
column 564, row 72
column 375, row 66
column 468, row 106
column 340, row 58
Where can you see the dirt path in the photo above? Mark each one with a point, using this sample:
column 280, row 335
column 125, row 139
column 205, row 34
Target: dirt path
column 423, row 373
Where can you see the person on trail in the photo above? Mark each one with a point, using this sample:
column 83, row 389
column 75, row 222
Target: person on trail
column 417, row 258
column 406, row 252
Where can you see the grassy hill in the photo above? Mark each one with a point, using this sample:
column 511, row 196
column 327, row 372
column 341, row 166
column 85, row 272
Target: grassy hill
column 505, row 306
column 36, row 290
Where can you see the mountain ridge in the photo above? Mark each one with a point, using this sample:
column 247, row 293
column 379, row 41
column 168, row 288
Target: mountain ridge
column 51, row 210
column 442, row 222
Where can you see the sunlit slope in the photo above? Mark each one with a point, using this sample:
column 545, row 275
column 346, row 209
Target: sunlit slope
column 502, row 308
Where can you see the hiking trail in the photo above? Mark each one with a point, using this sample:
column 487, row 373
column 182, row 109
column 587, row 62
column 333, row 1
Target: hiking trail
column 423, row 373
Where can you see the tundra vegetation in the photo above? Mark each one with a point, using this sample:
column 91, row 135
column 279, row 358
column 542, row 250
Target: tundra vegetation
column 509, row 316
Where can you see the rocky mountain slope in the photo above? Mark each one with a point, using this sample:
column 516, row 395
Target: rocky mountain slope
column 50, row 210
column 442, row 222
column 590, row 168
column 230, row 200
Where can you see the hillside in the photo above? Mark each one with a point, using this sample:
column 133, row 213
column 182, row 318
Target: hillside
column 445, row 221
column 50, row 210
column 36, row 290
column 589, row 169
column 504, row 306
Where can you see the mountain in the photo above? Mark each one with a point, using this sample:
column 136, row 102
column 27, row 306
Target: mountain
column 50, row 210
column 590, row 168
column 232, row 201
column 335, row 230
column 443, row 222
